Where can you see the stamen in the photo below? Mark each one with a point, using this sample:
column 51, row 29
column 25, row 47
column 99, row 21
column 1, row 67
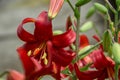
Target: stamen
column 44, row 58
column 54, row 68
column 45, row 61
column 29, row 53
column 36, row 51
column 44, row 55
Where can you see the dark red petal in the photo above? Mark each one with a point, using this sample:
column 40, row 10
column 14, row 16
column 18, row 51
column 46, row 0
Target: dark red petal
column 98, row 40
column 65, row 39
column 28, row 65
column 57, row 71
column 119, row 37
column 87, row 75
column 60, row 56
column 43, row 27
column 23, row 34
column 99, row 60
column 14, row 75
column 68, row 23
column 83, row 41
column 30, row 46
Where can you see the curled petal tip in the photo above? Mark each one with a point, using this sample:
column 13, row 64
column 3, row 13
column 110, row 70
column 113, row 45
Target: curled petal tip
column 55, row 6
column 14, row 75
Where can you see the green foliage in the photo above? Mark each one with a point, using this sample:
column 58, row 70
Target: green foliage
column 107, row 41
column 90, row 12
column 118, row 4
column 57, row 32
column 101, row 8
column 87, row 26
column 77, row 13
column 86, row 67
column 66, row 71
column 81, row 2
column 116, row 52
column 87, row 50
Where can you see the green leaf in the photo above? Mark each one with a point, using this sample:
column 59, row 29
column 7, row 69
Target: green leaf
column 101, row 8
column 118, row 4
column 66, row 71
column 107, row 41
column 81, row 2
column 87, row 50
column 87, row 26
column 57, row 32
column 77, row 13
column 86, row 67
column 2, row 79
column 116, row 52
column 90, row 12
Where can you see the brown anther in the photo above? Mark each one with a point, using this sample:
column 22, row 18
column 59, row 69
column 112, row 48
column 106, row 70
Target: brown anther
column 36, row 51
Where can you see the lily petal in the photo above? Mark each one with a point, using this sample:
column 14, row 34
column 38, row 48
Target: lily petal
column 23, row 34
column 99, row 60
column 98, row 40
column 87, row 75
column 65, row 39
column 68, row 23
column 28, row 65
column 30, row 46
column 55, row 6
column 60, row 56
column 83, row 41
column 14, row 75
column 43, row 27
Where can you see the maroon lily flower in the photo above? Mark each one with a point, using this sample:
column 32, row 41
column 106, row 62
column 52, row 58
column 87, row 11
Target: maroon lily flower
column 42, row 43
column 103, row 67
column 34, row 70
column 36, row 43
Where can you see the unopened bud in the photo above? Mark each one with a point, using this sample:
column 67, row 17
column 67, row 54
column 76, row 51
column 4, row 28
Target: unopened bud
column 116, row 52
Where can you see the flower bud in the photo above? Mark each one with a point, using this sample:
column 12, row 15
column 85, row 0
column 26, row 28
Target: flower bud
column 107, row 41
column 82, row 2
column 88, row 25
column 57, row 32
column 101, row 8
column 91, row 11
column 116, row 52
column 54, row 8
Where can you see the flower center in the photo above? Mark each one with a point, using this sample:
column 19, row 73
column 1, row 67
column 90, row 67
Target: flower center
column 39, row 53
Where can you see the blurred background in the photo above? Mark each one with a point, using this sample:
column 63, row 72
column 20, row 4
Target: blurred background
column 12, row 12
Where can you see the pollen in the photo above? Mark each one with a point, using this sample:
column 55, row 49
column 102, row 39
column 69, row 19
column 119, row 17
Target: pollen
column 29, row 53
column 44, row 57
column 36, row 51
column 54, row 68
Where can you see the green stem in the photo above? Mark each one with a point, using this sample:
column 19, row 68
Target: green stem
column 116, row 26
column 116, row 71
column 108, row 18
column 110, row 6
column 96, row 30
column 2, row 74
column 77, row 44
column 81, row 56
column 71, row 5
